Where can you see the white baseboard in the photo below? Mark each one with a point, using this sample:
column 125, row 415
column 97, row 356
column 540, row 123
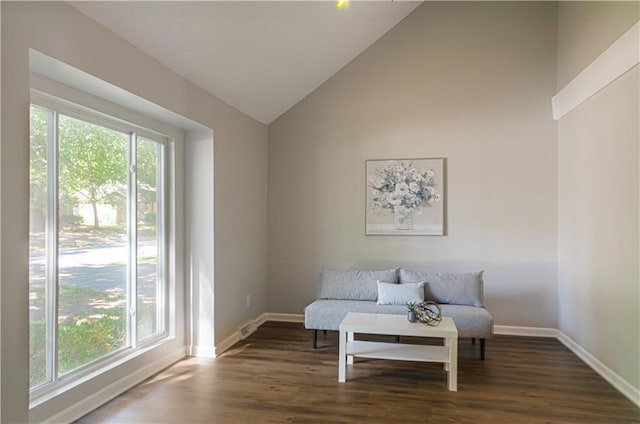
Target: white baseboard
column 253, row 324
column 511, row 330
column 116, row 388
column 202, row 351
column 630, row 392
column 227, row 343
column 284, row 317
column 262, row 319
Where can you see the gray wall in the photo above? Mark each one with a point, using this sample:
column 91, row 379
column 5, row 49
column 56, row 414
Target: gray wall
column 598, row 186
column 471, row 82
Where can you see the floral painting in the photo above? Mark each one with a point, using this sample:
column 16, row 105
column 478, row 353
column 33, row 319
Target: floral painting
column 405, row 196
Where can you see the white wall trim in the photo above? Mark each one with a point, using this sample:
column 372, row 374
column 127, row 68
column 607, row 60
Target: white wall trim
column 262, row 319
column 226, row 343
column 284, row 317
column 116, row 388
column 251, row 326
column 202, row 351
column 510, row 330
column 605, row 372
column 614, row 62
column 235, row 337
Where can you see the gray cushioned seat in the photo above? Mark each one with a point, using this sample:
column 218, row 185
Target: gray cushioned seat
column 327, row 314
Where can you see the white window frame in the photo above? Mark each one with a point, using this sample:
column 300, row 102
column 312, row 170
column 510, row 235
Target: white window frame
column 58, row 383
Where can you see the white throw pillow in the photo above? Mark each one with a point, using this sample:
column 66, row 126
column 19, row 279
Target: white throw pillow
column 400, row 294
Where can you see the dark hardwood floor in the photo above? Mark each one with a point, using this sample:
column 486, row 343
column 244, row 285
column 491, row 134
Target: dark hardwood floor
column 275, row 376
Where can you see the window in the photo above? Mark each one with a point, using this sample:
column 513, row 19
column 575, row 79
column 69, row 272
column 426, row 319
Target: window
column 97, row 254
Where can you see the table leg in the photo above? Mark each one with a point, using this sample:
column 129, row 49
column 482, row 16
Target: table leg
column 342, row 363
column 350, row 338
column 452, row 372
column 446, row 364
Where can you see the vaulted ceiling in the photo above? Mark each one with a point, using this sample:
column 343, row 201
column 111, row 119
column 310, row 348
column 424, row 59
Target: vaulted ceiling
column 260, row 57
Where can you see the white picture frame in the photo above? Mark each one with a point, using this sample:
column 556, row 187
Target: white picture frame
column 405, row 197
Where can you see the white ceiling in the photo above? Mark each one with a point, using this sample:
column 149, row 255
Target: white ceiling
column 260, row 57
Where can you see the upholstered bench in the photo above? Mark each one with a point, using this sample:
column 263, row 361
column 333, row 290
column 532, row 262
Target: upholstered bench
column 460, row 296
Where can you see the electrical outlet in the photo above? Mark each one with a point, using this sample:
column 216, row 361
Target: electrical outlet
column 248, row 300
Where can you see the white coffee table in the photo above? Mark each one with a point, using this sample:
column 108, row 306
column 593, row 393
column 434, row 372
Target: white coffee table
column 397, row 325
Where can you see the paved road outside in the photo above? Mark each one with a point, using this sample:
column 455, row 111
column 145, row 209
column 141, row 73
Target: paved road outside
column 100, row 268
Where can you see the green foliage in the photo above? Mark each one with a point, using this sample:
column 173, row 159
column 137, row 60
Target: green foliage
column 83, row 341
column 148, row 155
column 147, row 161
column 38, row 158
column 93, row 161
column 92, row 164
column 411, row 306
column 79, row 344
column 37, row 353
column 83, row 336
column 70, row 220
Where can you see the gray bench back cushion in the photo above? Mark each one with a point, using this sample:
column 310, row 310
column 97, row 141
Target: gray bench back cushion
column 451, row 288
column 353, row 284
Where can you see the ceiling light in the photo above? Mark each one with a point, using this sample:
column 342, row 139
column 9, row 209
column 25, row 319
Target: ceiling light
column 341, row 3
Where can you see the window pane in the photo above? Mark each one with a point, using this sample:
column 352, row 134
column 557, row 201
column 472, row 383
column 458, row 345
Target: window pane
column 96, row 243
column 40, row 119
column 92, row 262
column 148, row 205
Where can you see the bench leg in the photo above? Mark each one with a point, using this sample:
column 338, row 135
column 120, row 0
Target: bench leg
column 473, row 341
column 315, row 339
column 483, row 345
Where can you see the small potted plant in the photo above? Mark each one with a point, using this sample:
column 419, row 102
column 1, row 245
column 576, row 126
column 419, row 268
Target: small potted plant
column 411, row 311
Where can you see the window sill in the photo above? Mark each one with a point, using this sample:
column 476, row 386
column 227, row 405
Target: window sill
column 52, row 391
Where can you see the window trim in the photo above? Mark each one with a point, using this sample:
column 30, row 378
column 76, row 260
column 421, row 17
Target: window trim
column 91, row 115
column 55, row 383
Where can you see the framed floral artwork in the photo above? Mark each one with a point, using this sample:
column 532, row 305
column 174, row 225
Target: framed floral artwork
column 405, row 197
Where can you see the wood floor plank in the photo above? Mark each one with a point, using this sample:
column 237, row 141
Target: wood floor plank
column 275, row 376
